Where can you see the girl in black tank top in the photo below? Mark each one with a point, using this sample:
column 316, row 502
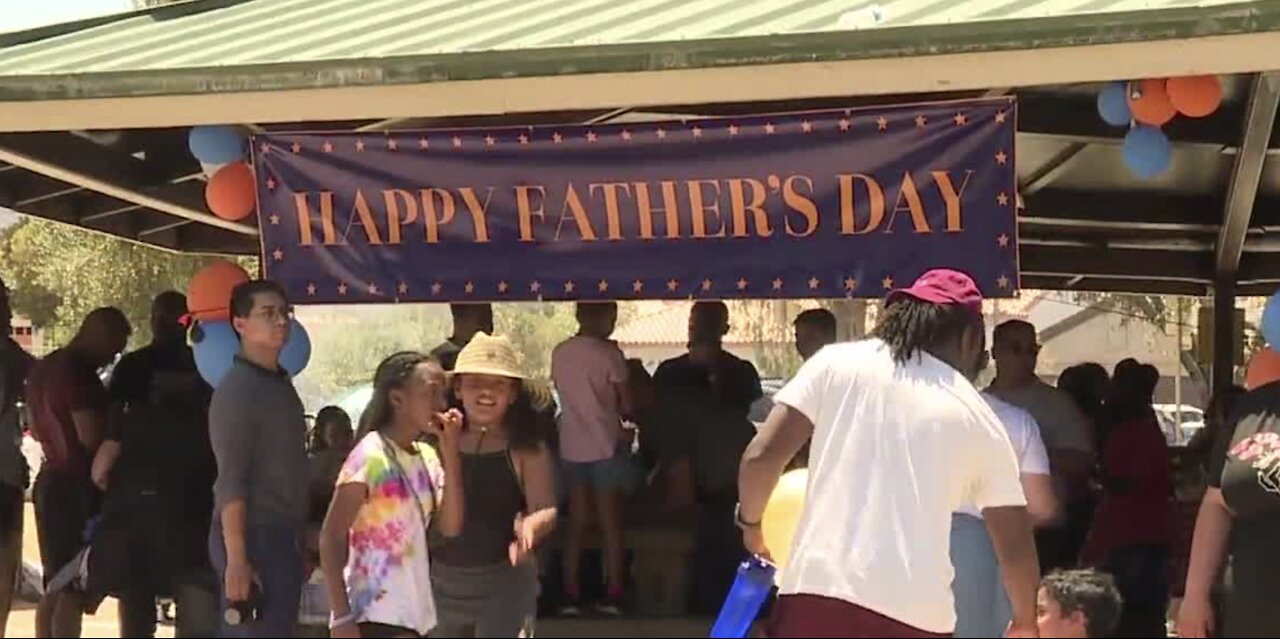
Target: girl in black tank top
column 485, row 581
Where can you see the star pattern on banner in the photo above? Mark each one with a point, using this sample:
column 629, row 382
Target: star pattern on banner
column 1001, row 117
column 275, row 219
column 770, row 128
column 882, row 123
column 297, row 147
column 625, row 135
column 1003, row 241
column 311, row 289
column 850, row 283
column 278, row 254
column 1003, row 199
column 524, row 139
column 342, row 288
column 887, row 282
column 592, row 137
column 359, row 145
column 403, row 288
column 602, row 286
column 392, row 145
column 661, row 133
column 557, row 138
column 961, row 119
column 457, row 142
column 436, row 287
column 733, row 129
column 1002, row 158
column 845, row 124
column 814, row 283
column 742, row 283
column 271, row 183
column 265, row 147
column 373, row 289
column 697, row 131
column 921, row 121
column 1003, row 282
column 707, row 284
column 637, row 286
column 569, row 286
column 777, row 284
column 469, row 288
column 327, row 147
column 489, row 140
column 672, row 285
column 535, row 286
column 502, row 287
column 423, row 144
column 806, row 126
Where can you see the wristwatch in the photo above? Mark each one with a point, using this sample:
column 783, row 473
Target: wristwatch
column 740, row 522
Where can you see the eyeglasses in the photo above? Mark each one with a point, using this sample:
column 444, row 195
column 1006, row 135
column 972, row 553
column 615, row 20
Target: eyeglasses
column 275, row 314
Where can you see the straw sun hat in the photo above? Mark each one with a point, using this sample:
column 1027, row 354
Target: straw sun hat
column 489, row 355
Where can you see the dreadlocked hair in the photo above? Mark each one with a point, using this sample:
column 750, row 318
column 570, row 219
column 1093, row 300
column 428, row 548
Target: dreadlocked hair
column 910, row 326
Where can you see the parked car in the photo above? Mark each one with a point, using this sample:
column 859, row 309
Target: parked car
column 1179, row 424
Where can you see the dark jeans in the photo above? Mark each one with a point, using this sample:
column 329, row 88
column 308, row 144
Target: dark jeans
column 195, row 597
column 717, row 551
column 1142, row 577
column 275, row 553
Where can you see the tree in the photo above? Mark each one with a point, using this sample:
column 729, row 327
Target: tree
column 58, row 273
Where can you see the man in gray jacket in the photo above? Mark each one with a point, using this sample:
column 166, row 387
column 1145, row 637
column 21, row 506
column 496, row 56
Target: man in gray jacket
column 258, row 430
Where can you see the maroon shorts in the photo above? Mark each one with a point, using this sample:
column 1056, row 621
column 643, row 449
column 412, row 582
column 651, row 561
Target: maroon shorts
column 814, row 616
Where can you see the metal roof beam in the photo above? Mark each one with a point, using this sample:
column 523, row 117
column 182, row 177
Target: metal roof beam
column 1246, row 173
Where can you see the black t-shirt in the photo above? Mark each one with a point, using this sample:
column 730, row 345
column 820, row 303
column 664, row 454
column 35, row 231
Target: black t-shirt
column 164, row 430
column 1246, row 466
column 736, row 383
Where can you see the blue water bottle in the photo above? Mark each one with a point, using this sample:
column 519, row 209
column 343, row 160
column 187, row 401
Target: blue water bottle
column 750, row 590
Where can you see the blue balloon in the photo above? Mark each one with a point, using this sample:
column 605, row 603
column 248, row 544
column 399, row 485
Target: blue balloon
column 1147, row 151
column 217, row 144
column 1113, row 104
column 1271, row 321
column 297, row 351
column 215, row 345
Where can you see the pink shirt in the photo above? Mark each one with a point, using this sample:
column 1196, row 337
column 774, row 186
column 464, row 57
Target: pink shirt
column 586, row 371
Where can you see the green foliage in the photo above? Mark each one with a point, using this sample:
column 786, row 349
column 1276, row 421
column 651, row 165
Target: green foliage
column 58, row 273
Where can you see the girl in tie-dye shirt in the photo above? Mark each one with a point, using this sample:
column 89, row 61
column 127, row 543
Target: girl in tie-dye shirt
column 391, row 489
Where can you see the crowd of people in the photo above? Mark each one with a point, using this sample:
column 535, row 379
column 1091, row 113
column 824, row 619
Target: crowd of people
column 933, row 508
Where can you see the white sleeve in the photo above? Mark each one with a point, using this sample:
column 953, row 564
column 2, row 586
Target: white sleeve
column 998, row 482
column 804, row 392
column 1034, row 459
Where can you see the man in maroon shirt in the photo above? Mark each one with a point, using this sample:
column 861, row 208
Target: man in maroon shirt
column 68, row 406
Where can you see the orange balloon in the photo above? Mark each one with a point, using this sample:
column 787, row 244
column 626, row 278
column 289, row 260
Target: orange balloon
column 229, row 193
column 1149, row 102
column 1263, row 369
column 1195, row 96
column 209, row 292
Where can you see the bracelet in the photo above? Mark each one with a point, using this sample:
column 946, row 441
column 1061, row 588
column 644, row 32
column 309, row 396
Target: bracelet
column 334, row 622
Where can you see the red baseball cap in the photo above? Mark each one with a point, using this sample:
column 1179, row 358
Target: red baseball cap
column 942, row 286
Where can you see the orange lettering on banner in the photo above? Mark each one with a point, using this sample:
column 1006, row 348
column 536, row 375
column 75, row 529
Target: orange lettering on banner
column 699, row 210
column 741, row 206
column 952, row 196
column 909, row 196
column 479, row 212
column 613, row 214
column 437, row 217
column 848, row 203
column 306, row 235
column 395, row 217
column 573, row 204
column 525, row 210
column 801, row 203
column 360, row 210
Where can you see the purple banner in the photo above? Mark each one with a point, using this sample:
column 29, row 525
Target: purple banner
column 842, row 203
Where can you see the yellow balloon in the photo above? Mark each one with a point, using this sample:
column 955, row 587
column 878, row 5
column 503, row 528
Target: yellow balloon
column 782, row 515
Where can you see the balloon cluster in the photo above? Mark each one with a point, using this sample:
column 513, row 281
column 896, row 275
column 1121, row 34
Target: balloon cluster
column 214, row 341
column 1264, row 368
column 1146, row 105
column 222, row 151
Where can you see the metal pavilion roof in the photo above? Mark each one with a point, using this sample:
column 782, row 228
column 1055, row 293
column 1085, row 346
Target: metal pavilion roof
column 306, row 64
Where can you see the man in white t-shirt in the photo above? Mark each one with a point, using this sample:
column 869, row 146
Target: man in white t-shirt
column 1067, row 434
column 901, row 440
column 982, row 605
column 590, row 375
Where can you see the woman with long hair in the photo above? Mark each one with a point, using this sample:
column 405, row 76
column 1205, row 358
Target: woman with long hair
column 486, row 579
column 391, row 490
